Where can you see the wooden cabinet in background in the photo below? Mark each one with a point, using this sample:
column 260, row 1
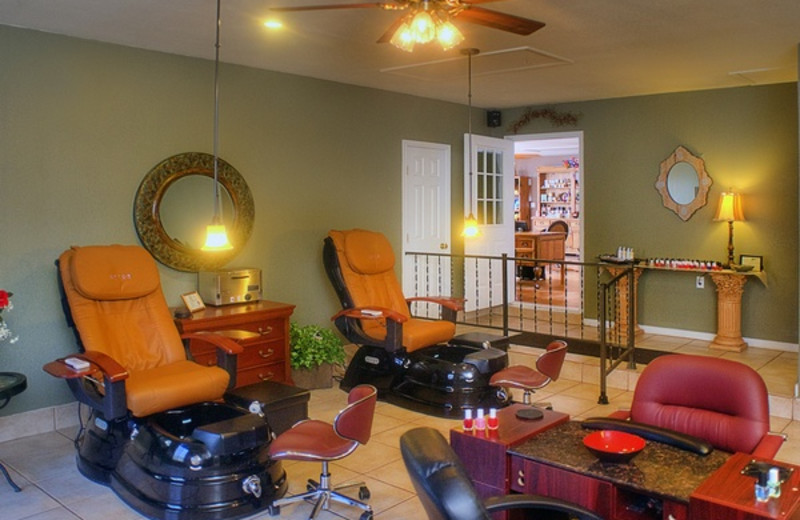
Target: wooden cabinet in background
column 573, row 243
column 559, row 192
column 523, row 199
column 265, row 356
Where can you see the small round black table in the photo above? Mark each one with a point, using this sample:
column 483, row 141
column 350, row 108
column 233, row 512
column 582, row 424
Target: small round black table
column 11, row 384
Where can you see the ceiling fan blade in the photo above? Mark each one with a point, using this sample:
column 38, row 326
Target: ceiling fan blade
column 387, row 36
column 502, row 21
column 382, row 5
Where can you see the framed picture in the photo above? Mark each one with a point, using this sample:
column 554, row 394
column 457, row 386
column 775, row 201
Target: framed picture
column 756, row 261
column 193, row 301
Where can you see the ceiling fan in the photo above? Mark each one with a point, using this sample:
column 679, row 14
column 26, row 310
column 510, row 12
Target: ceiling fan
column 426, row 20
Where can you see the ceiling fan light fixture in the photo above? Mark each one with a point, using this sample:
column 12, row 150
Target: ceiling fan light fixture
column 423, row 27
column 448, row 35
column 403, row 38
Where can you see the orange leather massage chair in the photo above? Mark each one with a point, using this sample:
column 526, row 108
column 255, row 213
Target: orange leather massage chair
column 416, row 363
column 159, row 432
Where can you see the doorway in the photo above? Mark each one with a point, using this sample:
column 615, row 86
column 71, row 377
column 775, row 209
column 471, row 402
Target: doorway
column 548, row 170
column 548, row 199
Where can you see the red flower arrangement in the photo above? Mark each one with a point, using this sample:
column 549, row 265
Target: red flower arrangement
column 6, row 305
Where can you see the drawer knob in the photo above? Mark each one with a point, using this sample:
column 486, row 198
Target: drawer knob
column 521, row 478
column 265, row 331
column 266, row 354
column 267, row 377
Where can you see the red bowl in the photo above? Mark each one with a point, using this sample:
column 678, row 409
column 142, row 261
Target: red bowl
column 613, row 446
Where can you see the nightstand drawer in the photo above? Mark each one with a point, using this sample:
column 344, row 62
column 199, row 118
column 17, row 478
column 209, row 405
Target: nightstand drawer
column 261, row 353
column 272, row 372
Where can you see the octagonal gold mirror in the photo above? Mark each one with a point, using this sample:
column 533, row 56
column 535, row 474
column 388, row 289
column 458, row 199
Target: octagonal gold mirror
column 683, row 183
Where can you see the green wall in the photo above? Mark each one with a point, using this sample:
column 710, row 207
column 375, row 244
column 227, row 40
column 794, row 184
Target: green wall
column 748, row 138
column 82, row 122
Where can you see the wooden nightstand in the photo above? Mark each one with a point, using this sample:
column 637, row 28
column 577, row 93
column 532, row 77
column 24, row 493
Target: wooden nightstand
column 265, row 356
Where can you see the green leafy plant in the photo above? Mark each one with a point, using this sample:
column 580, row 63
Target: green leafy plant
column 311, row 346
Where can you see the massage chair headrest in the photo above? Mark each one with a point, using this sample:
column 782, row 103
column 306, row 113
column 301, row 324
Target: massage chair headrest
column 113, row 272
column 368, row 252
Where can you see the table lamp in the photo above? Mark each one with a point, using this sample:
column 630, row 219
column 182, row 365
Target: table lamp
column 730, row 210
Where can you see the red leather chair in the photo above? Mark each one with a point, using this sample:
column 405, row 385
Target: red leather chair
column 548, row 369
column 721, row 401
column 313, row 440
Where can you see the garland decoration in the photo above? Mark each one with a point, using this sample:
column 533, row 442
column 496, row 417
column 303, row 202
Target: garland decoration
column 554, row 116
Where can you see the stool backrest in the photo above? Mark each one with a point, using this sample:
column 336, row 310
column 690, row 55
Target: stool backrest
column 354, row 422
column 552, row 360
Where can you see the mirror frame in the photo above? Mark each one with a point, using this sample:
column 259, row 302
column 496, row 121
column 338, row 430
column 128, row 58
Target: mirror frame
column 147, row 218
column 684, row 211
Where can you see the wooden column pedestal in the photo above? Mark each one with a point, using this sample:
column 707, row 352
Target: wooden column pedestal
column 730, row 288
column 621, row 319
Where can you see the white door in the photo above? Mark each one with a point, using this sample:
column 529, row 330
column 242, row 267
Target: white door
column 426, row 222
column 489, row 195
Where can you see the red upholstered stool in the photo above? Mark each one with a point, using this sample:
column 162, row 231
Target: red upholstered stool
column 527, row 379
column 314, row 440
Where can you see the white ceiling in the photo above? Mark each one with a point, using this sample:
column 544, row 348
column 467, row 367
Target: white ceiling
column 589, row 49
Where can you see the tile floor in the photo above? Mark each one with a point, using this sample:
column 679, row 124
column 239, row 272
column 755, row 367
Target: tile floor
column 52, row 489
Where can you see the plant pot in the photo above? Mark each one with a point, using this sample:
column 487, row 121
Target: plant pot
column 310, row 378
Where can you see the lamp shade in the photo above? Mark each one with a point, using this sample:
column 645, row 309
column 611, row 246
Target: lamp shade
column 730, row 207
column 216, row 238
column 471, row 229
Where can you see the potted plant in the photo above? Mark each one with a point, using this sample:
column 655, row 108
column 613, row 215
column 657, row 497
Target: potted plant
column 313, row 351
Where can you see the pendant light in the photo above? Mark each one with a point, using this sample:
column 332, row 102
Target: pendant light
column 470, row 223
column 216, row 235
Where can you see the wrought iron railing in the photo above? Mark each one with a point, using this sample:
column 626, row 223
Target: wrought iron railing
column 535, row 301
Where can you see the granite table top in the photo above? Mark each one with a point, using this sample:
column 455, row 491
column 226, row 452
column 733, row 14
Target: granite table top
column 659, row 470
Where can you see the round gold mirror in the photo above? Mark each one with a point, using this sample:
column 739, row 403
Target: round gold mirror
column 683, row 183
column 174, row 204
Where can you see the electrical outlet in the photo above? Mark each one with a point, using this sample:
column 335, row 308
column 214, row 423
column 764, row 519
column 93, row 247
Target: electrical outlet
column 700, row 282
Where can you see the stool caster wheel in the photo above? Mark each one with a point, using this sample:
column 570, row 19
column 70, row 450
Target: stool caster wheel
column 274, row 510
column 366, row 515
column 363, row 494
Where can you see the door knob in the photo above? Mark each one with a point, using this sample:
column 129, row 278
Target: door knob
column 443, row 245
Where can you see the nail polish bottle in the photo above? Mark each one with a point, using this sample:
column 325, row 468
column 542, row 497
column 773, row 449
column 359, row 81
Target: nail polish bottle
column 492, row 423
column 468, row 422
column 774, row 482
column 480, row 422
column 762, row 489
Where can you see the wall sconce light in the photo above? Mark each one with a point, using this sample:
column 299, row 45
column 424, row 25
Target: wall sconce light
column 730, row 211
column 216, row 234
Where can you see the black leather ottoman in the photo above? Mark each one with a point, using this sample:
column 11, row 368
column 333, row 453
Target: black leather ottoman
column 282, row 405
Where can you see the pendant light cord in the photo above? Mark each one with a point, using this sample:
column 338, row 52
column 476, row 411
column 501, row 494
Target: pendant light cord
column 217, row 217
column 470, row 52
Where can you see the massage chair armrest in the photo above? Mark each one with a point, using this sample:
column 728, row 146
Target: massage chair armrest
column 769, row 445
column 539, row 503
column 108, row 396
column 450, row 306
column 621, row 414
column 348, row 321
column 228, row 348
